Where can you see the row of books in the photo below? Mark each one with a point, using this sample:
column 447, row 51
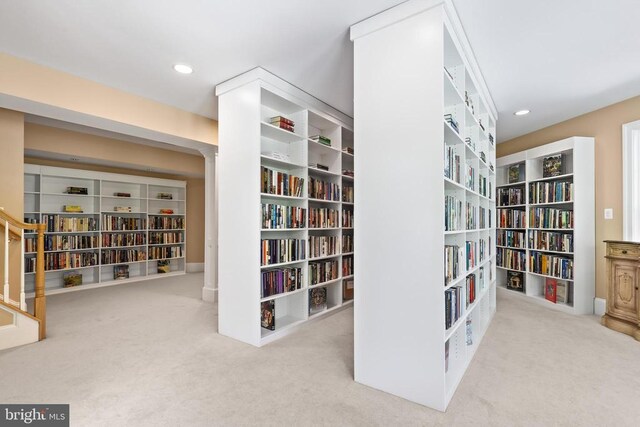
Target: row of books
column 123, row 255
column 511, row 259
column 472, row 216
column 158, row 238
column 470, row 286
column 347, row 194
column 452, row 213
column 512, row 218
column 551, row 241
column 63, row 242
column 282, row 280
column 275, row 251
column 510, row 196
column 347, row 266
column 451, row 164
column 323, row 190
column 277, row 217
column 347, row 218
column 160, row 252
column 320, row 246
column 513, row 238
column 550, row 218
column 472, row 248
column 324, row 218
column 452, row 306
column 63, row 261
column 58, row 223
column 280, row 183
column 453, row 255
column 347, row 243
column 551, row 265
column 166, row 223
column 549, row 192
column 123, row 239
column 323, row 271
column 110, row 222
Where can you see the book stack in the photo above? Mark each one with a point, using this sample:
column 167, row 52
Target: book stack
column 347, row 194
column 471, row 289
column 511, row 259
column 452, row 122
column 324, row 271
column 275, row 217
column 321, row 246
column 452, row 256
column 118, row 194
column 472, row 248
column 510, row 196
column 551, row 265
column 323, row 218
column 550, row 218
column 282, row 280
column 452, row 213
column 549, row 241
column 348, row 172
column 166, row 211
column 512, row 238
column 511, row 218
column 321, row 140
column 452, row 306
column 282, row 123
column 122, row 208
column 165, row 196
column 549, row 192
column 319, row 166
column 77, row 190
column 451, row 164
column 276, row 251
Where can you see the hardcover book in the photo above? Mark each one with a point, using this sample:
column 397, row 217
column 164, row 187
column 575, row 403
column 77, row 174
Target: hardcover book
column 550, row 290
column 552, row 166
column 347, row 291
column 120, row 272
column 164, row 266
column 561, row 292
column 72, row 279
column 321, row 139
column 317, row 300
column 268, row 315
column 514, row 174
column 515, row 280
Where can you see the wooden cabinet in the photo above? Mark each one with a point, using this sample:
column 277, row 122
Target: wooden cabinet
column 623, row 275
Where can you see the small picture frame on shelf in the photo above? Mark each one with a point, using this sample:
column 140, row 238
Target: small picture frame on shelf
column 71, row 279
column 164, row 266
column 514, row 174
column 317, row 300
column 515, row 280
column 120, row 272
column 552, row 166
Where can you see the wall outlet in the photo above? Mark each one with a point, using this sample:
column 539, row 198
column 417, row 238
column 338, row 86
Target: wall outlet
column 608, row 213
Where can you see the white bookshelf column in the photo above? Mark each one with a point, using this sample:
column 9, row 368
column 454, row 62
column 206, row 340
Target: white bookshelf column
column 425, row 241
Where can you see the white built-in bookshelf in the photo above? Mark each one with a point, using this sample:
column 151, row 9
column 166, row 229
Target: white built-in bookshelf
column 284, row 249
column 126, row 225
column 546, row 228
column 426, row 227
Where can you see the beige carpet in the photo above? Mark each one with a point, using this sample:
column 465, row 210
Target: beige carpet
column 148, row 354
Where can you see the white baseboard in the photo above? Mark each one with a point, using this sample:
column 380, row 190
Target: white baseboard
column 599, row 306
column 209, row 294
column 195, row 267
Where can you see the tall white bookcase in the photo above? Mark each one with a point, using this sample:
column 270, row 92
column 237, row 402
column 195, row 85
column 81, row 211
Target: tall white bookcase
column 99, row 240
column 413, row 70
column 573, row 190
column 250, row 145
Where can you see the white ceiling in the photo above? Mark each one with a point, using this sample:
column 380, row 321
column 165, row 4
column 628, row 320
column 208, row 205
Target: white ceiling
column 558, row 58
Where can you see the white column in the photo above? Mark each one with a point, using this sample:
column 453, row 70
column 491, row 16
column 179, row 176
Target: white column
column 210, row 288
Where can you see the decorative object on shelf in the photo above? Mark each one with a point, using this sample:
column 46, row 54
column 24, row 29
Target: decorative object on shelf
column 317, row 300
column 319, row 166
column 164, row 266
column 321, row 140
column 348, row 150
column 166, row 211
column 122, row 209
column 347, row 172
column 282, row 123
column 72, row 208
column 73, row 278
column 165, row 196
column 120, row 272
column 514, row 174
column 117, row 194
column 552, row 166
column 347, row 290
column 268, row 315
column 78, row 190
column 515, row 280
column 550, row 289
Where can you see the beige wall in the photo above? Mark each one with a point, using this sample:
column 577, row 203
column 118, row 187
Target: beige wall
column 12, row 193
column 605, row 125
column 54, row 141
column 32, row 82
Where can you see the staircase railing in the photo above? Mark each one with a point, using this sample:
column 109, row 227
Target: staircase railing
column 40, row 303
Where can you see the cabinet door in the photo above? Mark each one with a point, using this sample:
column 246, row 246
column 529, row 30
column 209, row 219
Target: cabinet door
column 623, row 290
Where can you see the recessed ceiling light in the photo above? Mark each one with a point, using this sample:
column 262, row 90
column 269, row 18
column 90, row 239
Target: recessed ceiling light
column 522, row 112
column 183, row 68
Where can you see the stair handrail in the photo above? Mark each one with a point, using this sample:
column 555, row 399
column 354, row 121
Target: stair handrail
column 40, row 302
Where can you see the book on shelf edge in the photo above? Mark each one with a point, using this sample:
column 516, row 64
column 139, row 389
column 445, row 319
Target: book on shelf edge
column 268, row 315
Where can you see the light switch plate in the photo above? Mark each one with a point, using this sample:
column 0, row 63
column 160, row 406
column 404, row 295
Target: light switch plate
column 608, row 213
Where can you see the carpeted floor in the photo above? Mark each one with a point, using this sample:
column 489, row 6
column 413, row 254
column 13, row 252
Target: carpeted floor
column 148, row 354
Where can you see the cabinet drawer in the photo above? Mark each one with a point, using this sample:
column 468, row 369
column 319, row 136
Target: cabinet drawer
column 623, row 251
